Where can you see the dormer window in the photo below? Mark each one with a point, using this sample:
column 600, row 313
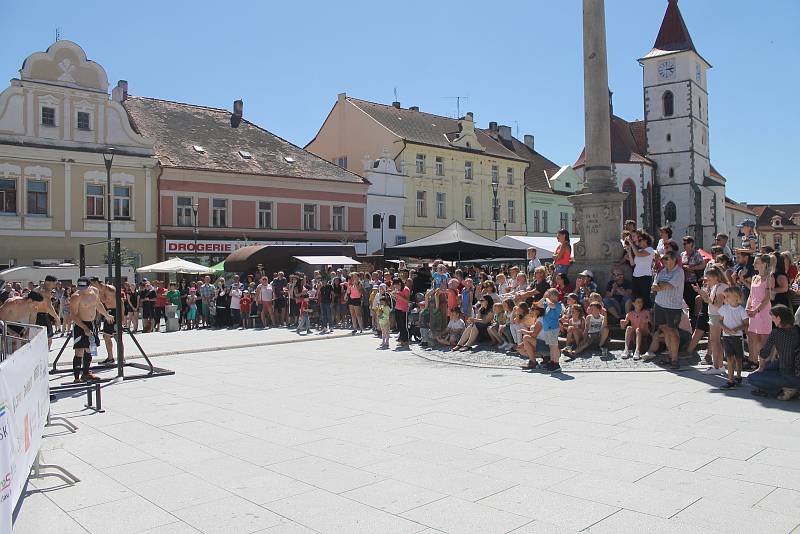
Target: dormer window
column 245, row 154
column 48, row 116
column 776, row 222
column 199, row 149
column 83, row 121
column 288, row 159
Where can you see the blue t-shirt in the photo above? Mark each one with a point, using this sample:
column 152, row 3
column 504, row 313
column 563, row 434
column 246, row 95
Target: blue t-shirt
column 466, row 302
column 440, row 279
column 551, row 317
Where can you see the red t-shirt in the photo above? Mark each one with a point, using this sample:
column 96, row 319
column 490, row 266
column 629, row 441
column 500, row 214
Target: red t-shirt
column 161, row 297
column 244, row 304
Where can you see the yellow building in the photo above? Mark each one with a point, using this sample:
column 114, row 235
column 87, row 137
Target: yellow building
column 56, row 122
column 449, row 165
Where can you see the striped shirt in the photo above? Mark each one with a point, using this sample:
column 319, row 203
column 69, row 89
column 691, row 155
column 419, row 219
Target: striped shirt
column 207, row 291
column 786, row 341
column 671, row 298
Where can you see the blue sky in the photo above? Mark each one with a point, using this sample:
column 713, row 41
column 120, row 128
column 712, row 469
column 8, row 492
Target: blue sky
column 520, row 61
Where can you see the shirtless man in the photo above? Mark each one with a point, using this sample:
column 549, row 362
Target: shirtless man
column 84, row 305
column 21, row 310
column 108, row 296
column 43, row 317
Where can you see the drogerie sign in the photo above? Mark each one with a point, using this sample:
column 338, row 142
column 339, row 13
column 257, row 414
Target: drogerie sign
column 211, row 246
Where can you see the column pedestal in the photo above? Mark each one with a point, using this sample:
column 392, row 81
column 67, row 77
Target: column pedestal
column 599, row 217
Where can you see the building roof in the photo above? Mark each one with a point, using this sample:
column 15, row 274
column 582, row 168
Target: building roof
column 628, row 143
column 540, row 169
column 766, row 212
column 738, row 205
column 199, row 137
column 426, row 128
column 673, row 36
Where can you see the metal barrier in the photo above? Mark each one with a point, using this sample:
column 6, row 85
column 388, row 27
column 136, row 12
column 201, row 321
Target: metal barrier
column 10, row 342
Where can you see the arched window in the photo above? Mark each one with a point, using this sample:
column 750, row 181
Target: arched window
column 468, row 208
column 669, row 103
column 671, row 172
column 629, row 204
column 376, row 220
column 670, row 212
column 392, row 222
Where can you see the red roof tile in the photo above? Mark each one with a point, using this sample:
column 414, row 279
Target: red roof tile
column 628, row 143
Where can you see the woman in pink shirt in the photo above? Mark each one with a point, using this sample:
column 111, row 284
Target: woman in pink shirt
column 354, row 290
column 402, row 297
column 563, row 251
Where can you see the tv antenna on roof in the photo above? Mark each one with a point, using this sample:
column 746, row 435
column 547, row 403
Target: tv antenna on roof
column 58, row 34
column 458, row 100
column 516, row 132
column 395, row 94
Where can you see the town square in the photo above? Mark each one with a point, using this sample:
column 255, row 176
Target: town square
column 416, row 268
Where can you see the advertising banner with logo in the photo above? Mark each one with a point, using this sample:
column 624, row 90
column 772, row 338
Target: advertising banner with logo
column 212, row 246
column 24, row 403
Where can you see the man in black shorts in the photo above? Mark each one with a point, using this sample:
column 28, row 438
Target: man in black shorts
column 45, row 318
column 84, row 305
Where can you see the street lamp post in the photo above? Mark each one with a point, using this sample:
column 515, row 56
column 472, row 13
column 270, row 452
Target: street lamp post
column 108, row 159
column 495, row 214
column 195, row 208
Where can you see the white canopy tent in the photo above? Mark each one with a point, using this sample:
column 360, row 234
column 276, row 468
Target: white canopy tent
column 545, row 246
column 327, row 260
column 176, row 266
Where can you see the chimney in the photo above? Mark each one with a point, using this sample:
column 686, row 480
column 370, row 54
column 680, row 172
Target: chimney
column 414, row 108
column 469, row 116
column 341, row 97
column 529, row 141
column 396, row 104
column 120, row 92
column 493, row 127
column 236, row 116
column 504, row 132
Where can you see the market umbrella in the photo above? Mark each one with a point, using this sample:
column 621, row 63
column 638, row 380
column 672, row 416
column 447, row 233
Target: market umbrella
column 454, row 243
column 218, row 268
column 176, row 266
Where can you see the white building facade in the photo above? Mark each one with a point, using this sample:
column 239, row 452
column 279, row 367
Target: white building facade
column 386, row 198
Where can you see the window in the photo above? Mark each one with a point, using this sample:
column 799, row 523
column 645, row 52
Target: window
column 422, row 210
column 376, row 220
column 537, row 223
column 629, row 204
column 184, row 215
column 510, row 175
column 219, row 213
column 95, row 201
column 83, row 120
column 671, row 172
column 511, row 215
column 8, row 197
column 495, row 174
column 420, row 163
column 245, row 154
column 392, row 222
column 669, row 138
column 495, row 209
column 122, row 202
column 337, row 216
column 564, row 220
column 544, row 221
column 48, row 116
column 468, row 208
column 468, row 170
column 440, row 207
column 669, row 103
column 699, row 107
column 264, row 214
column 439, row 166
column 309, row 216
column 37, row 197
column 670, row 212
column 199, row 149
column 778, row 240
column 341, row 161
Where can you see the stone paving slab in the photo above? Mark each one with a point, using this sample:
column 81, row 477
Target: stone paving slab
column 335, row 436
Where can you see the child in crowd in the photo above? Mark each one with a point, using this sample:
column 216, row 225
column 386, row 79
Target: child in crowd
column 507, row 338
column 455, row 328
column 499, row 320
column 549, row 332
column 576, row 327
column 304, row 319
column 382, row 312
column 244, row 306
column 529, row 334
column 570, row 300
column 637, row 329
column 236, row 311
column 734, row 322
column 595, row 333
column 191, row 314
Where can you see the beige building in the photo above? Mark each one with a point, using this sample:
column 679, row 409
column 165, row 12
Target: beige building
column 448, row 166
column 56, row 121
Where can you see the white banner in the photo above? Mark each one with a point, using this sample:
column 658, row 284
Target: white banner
column 24, row 403
column 214, row 246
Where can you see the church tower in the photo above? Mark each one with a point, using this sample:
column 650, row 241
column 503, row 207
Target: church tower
column 691, row 196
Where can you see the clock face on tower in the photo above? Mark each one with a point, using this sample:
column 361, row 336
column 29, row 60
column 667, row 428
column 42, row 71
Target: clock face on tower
column 666, row 69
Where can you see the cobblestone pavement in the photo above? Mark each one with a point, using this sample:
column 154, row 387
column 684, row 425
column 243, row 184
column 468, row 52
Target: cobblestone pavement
column 485, row 356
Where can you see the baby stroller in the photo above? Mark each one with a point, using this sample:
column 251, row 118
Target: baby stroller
column 414, row 333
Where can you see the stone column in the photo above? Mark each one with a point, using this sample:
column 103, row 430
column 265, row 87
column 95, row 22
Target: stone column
column 598, row 209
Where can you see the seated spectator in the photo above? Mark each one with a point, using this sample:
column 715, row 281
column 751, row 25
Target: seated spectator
column 618, row 294
column 586, row 286
column 637, row 327
column 455, row 329
column 478, row 326
column 595, row 332
column 779, row 373
column 537, row 288
column 561, row 283
column 686, row 342
column 576, row 327
column 494, row 331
